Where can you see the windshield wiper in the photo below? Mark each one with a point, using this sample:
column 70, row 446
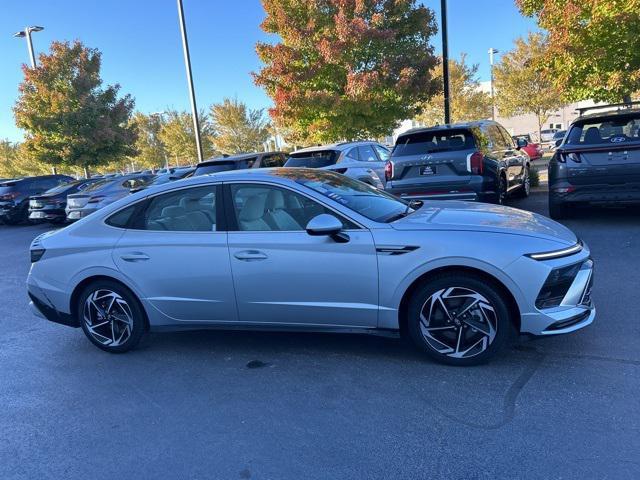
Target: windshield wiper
column 406, row 212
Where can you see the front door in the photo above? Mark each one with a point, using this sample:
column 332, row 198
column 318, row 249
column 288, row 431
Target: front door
column 284, row 276
column 177, row 259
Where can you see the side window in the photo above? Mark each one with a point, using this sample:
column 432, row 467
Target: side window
column 383, row 153
column 367, row 154
column 353, row 154
column 507, row 138
column 495, row 137
column 186, row 210
column 121, row 219
column 267, row 208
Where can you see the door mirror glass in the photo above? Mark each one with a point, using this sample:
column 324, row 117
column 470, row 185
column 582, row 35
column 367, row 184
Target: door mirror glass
column 522, row 143
column 324, row 224
column 558, row 142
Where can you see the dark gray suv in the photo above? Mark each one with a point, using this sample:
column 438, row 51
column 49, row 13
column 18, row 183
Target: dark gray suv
column 462, row 161
column 598, row 161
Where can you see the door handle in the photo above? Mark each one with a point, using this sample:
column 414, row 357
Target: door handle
column 134, row 257
column 250, row 255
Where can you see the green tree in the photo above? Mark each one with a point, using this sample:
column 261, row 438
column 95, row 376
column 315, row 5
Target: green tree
column 346, row 69
column 179, row 140
column 69, row 118
column 149, row 146
column 236, row 128
column 468, row 102
column 594, row 46
column 14, row 162
column 521, row 83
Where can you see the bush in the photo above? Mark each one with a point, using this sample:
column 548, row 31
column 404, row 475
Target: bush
column 534, row 177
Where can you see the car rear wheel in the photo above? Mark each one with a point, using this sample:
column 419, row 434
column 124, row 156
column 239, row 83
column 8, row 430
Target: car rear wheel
column 111, row 316
column 501, row 193
column 459, row 319
column 525, row 188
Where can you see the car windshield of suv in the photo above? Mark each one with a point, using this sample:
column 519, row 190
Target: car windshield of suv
column 619, row 130
column 358, row 196
column 433, row 141
column 317, row 159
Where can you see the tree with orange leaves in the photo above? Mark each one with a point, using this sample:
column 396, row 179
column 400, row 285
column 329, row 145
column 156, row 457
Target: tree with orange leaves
column 346, row 69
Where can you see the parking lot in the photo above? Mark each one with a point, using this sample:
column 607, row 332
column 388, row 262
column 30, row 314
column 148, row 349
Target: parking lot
column 227, row 405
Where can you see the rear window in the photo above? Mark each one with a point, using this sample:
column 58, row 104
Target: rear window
column 98, row 185
column 318, row 159
column 219, row 167
column 433, row 141
column 622, row 129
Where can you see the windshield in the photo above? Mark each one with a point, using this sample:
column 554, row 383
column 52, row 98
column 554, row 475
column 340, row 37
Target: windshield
column 358, row 196
column 619, row 130
column 421, row 143
column 318, row 159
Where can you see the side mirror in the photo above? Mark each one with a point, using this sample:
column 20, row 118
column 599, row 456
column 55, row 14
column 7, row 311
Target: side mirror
column 558, row 142
column 325, row 224
column 522, row 143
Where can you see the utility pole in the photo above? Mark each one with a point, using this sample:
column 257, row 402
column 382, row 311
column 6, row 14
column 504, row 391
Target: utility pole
column 26, row 33
column 445, row 62
column 192, row 95
column 492, row 52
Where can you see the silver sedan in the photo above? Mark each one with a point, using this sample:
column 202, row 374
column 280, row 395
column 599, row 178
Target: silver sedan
column 311, row 250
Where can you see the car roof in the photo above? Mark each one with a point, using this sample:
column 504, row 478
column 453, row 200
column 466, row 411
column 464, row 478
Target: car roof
column 620, row 112
column 450, row 126
column 234, row 158
column 340, row 146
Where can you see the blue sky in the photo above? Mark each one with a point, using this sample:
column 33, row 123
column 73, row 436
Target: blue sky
column 141, row 46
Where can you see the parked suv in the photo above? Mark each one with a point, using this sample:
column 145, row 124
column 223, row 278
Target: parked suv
column 598, row 161
column 14, row 195
column 103, row 193
column 364, row 161
column 240, row 162
column 462, row 161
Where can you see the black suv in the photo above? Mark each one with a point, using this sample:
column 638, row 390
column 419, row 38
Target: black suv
column 50, row 205
column 598, row 161
column 241, row 161
column 14, row 195
column 462, row 161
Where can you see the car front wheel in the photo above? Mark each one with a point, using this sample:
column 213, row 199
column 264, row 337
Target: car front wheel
column 459, row 319
column 111, row 316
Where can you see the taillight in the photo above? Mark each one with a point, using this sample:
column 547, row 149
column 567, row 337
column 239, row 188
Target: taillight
column 388, row 170
column 9, row 196
column 475, row 163
column 96, row 199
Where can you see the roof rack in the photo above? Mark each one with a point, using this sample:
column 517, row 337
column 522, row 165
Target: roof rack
column 610, row 105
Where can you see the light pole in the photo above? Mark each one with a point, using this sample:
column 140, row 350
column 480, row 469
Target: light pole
column 27, row 34
column 192, row 95
column 445, row 63
column 492, row 52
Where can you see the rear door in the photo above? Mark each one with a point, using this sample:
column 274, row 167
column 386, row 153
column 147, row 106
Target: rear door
column 604, row 150
column 437, row 158
column 369, row 155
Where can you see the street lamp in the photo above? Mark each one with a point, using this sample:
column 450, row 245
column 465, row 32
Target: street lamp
column 445, row 62
column 492, row 52
column 187, row 64
column 27, row 34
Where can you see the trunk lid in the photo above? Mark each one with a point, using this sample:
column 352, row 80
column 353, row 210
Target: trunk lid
column 77, row 200
column 602, row 164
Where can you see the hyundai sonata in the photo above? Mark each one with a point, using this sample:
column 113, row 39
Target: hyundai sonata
column 302, row 249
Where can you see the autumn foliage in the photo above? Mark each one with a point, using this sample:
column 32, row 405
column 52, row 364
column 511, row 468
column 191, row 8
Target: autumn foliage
column 346, row 69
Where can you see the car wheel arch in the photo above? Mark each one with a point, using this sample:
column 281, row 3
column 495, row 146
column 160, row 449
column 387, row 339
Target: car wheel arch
column 512, row 303
column 80, row 287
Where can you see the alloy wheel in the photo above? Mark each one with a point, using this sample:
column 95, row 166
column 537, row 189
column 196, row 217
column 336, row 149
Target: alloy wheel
column 527, row 183
column 458, row 322
column 108, row 318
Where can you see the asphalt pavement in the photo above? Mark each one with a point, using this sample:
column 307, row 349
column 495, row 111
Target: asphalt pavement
column 236, row 405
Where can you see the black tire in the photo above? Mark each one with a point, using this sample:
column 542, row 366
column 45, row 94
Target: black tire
column 448, row 331
column 501, row 193
column 137, row 322
column 558, row 210
column 525, row 188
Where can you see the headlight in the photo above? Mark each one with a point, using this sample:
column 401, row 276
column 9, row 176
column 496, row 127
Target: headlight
column 565, row 252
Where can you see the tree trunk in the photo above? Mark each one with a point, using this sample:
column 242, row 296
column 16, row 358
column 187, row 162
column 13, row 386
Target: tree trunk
column 86, row 172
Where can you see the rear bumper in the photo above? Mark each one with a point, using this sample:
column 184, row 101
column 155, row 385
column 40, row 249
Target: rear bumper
column 43, row 307
column 10, row 210
column 47, row 214
column 477, row 189
column 77, row 214
column 595, row 193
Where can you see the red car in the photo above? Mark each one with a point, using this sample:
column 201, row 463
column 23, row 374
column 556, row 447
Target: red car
column 532, row 149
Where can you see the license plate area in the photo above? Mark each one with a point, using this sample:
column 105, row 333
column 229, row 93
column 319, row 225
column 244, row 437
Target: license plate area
column 428, row 170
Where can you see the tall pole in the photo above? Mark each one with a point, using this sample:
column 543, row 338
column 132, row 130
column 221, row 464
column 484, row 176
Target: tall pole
column 30, row 46
column 192, row 95
column 445, row 62
column 492, row 52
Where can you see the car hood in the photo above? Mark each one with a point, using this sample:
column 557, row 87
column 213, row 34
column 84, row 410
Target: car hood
column 470, row 216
